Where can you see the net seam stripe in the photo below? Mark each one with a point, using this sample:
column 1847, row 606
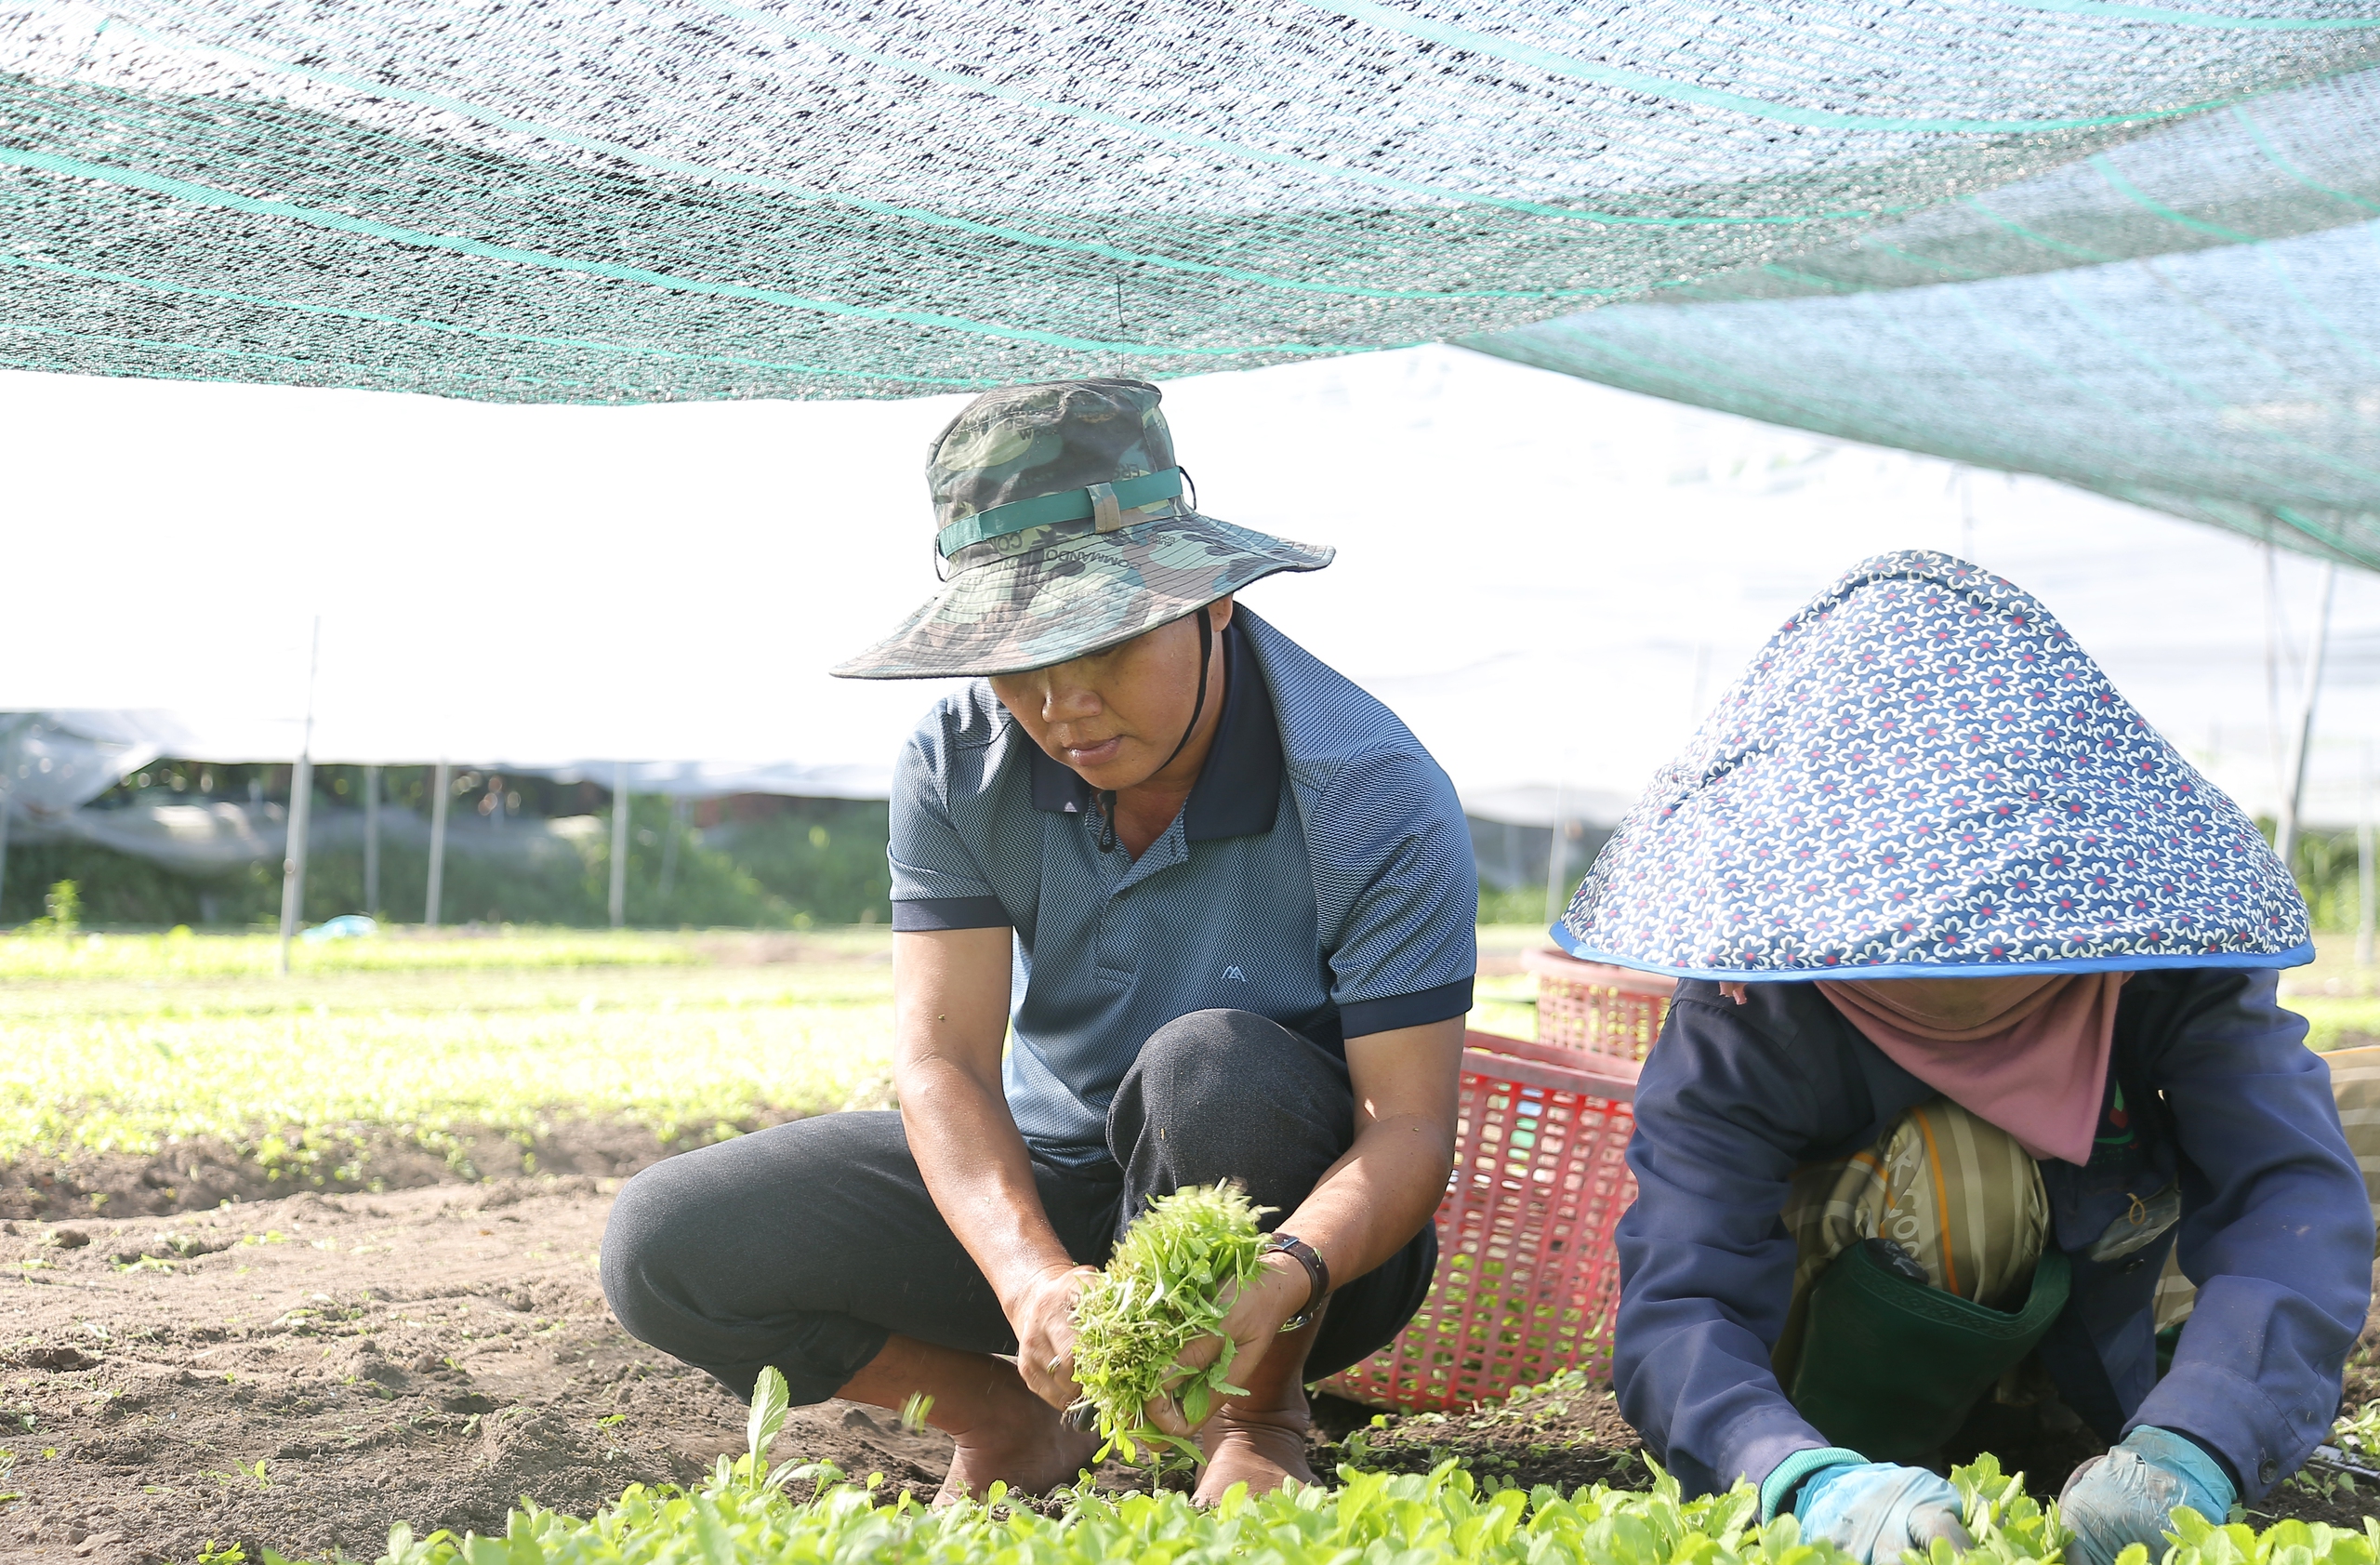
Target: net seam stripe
column 786, row 187
column 293, row 359
column 2116, row 181
column 1256, row 155
column 1962, row 274
column 2190, row 388
column 2272, row 155
column 2221, row 324
column 1517, row 53
column 593, row 344
column 1815, row 416
column 50, row 366
column 207, row 196
column 2288, row 285
column 2122, row 410
column 2012, row 225
column 2319, row 533
column 2278, row 266
column 2056, row 284
column 2230, row 21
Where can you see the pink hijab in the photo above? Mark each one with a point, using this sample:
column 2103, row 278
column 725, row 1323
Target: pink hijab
column 2027, row 1055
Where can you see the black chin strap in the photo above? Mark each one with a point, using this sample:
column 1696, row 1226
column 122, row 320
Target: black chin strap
column 1198, row 710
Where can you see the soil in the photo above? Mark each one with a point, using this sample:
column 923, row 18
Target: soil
column 1564, row 1438
column 201, row 1173
column 301, row 1372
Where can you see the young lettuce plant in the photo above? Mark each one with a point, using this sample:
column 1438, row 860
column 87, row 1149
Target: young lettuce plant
column 1168, row 1284
column 772, row 1401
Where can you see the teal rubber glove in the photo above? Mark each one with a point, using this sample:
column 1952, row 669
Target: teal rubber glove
column 1873, row 1510
column 2129, row 1495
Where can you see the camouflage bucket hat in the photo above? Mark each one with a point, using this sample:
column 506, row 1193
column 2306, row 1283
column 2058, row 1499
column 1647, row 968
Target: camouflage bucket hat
column 1062, row 528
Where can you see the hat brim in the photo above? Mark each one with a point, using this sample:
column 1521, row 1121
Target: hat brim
column 1068, row 599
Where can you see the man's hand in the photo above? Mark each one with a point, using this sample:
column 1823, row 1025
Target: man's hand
column 1044, row 1317
column 1252, row 1321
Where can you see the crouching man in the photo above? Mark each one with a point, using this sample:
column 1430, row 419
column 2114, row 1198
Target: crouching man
column 1224, row 901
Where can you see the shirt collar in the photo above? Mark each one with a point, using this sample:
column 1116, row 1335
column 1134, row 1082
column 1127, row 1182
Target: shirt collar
column 1238, row 788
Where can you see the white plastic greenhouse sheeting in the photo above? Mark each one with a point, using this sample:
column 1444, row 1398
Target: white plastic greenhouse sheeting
column 1549, row 579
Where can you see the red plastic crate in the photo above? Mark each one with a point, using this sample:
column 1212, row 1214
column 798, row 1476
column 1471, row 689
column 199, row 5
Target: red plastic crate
column 1599, row 1010
column 1528, row 1281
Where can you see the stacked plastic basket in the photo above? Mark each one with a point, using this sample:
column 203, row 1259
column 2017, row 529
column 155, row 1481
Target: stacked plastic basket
column 1596, row 1009
column 1528, row 1280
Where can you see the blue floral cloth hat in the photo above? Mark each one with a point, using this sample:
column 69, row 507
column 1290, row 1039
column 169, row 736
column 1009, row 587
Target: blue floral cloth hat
column 1923, row 773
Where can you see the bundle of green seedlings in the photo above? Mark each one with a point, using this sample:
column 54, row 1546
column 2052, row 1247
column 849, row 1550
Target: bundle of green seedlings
column 742, row 1516
column 1169, row 1283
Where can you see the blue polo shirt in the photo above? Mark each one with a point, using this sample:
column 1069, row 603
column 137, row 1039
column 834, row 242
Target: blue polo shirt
column 1319, row 874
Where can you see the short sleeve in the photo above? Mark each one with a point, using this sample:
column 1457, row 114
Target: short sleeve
column 936, row 882
column 1394, row 873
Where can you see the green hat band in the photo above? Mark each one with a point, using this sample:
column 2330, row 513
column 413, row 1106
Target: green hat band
column 1104, row 502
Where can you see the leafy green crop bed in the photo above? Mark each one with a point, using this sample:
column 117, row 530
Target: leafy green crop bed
column 128, row 1081
column 742, row 1515
column 181, row 954
column 139, row 1043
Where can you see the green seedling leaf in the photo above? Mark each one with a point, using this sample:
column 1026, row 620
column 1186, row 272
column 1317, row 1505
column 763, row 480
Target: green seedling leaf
column 915, row 1411
column 1444, row 1517
column 770, row 1402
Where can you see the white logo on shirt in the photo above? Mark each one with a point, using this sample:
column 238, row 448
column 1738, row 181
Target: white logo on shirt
column 1235, row 974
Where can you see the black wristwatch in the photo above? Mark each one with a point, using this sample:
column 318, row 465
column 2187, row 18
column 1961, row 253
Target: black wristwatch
column 1316, row 1273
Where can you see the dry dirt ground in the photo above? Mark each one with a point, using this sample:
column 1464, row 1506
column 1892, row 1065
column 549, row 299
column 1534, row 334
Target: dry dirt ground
column 302, row 1373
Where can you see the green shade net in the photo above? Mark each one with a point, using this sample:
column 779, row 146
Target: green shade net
column 692, row 199
column 2189, row 322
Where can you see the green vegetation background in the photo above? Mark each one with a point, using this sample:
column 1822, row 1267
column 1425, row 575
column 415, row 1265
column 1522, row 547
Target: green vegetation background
column 816, row 862
column 789, row 864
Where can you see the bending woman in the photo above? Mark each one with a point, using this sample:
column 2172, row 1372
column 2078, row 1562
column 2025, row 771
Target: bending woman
column 1979, row 1027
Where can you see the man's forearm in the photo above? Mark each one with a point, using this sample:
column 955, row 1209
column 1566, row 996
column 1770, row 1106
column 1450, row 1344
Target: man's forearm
column 1372, row 1202
column 979, row 1174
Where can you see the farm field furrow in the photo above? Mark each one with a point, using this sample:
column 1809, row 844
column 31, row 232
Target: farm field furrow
column 177, row 1089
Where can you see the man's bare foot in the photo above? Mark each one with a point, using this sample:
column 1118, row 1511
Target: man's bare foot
column 1026, row 1445
column 1002, row 1433
column 1261, row 1449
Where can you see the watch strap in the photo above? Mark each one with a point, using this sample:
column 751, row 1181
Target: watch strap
column 1317, row 1274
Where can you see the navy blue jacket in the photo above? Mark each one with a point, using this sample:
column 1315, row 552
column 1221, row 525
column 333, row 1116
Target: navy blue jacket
column 2222, row 1096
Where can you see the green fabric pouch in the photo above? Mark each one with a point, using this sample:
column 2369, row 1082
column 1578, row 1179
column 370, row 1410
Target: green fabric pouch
column 1890, row 1368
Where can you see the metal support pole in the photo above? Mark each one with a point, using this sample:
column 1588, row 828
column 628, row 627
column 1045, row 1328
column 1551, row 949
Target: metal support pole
column 301, row 809
column 2293, row 799
column 371, row 841
column 2363, row 866
column 670, row 845
column 440, row 787
column 2273, row 756
column 1558, row 857
column 619, row 844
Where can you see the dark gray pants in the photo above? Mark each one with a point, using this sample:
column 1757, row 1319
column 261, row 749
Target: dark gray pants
column 806, row 1245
